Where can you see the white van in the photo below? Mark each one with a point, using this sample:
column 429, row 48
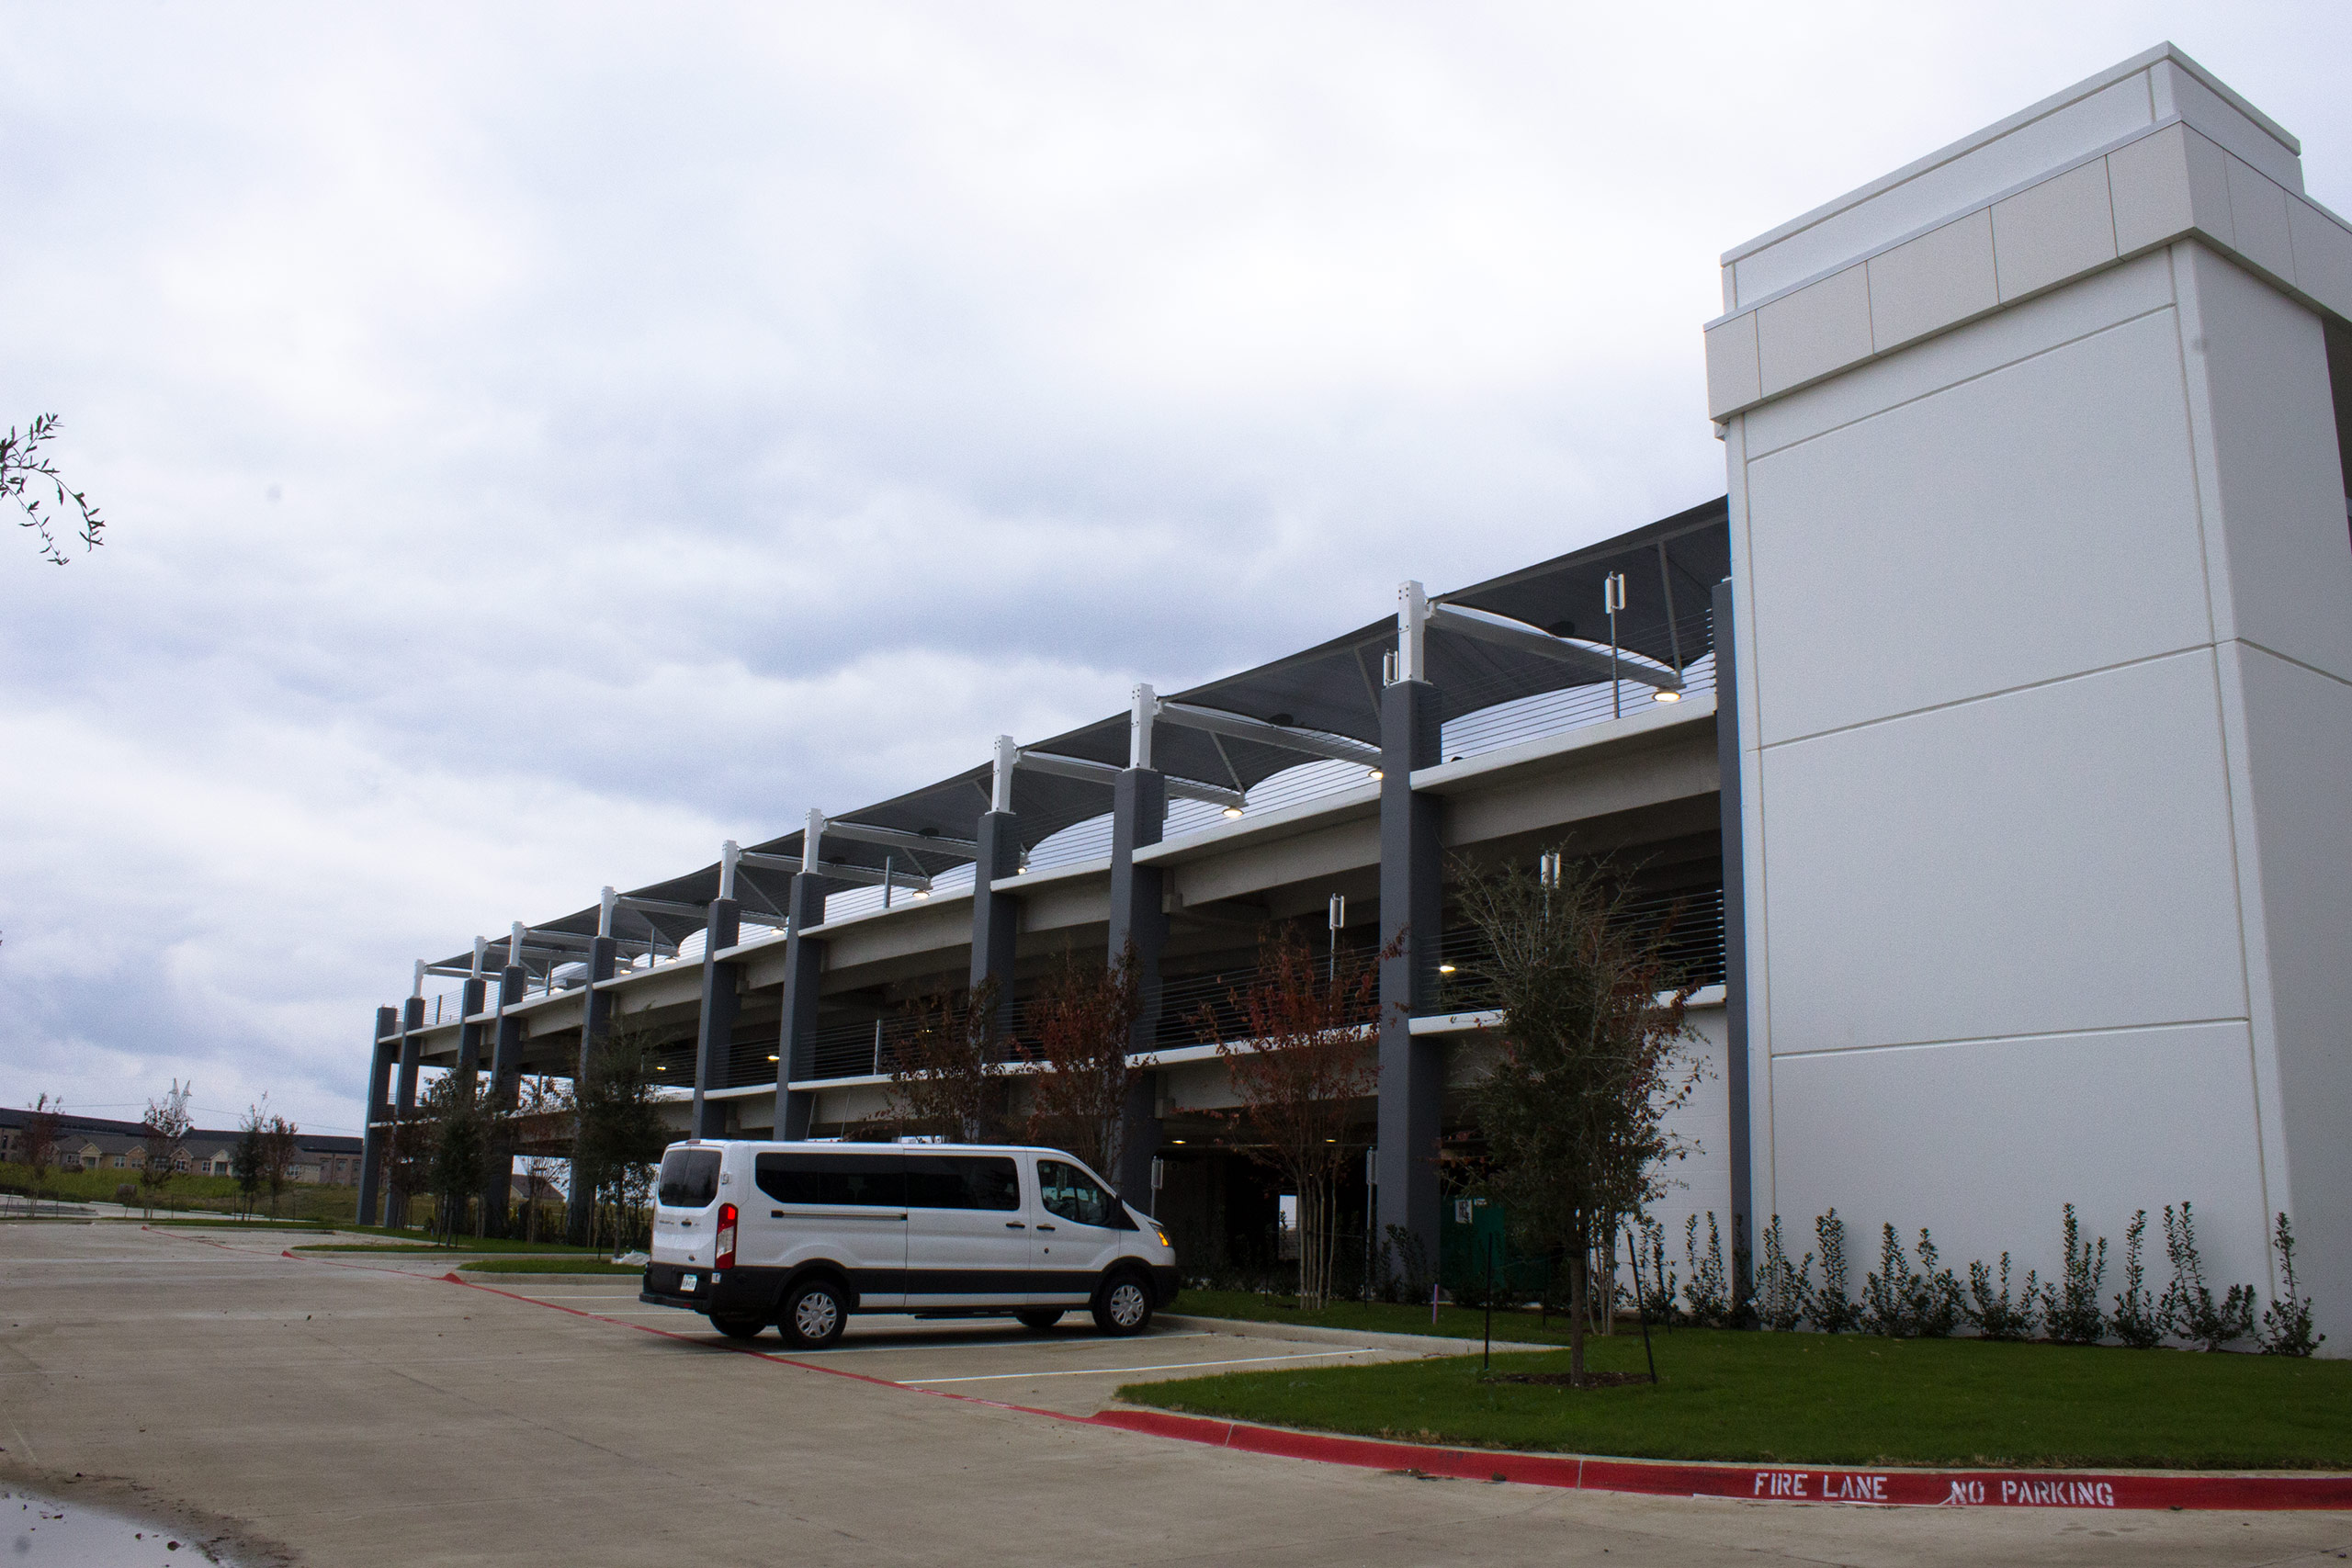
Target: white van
column 803, row 1234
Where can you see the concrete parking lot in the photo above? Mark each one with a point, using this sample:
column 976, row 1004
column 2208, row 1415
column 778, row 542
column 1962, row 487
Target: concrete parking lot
column 364, row 1411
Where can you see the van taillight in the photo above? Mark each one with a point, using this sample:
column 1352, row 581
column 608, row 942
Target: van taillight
column 725, row 1258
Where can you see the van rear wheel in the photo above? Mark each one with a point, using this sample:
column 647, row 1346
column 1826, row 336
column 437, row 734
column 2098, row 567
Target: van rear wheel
column 739, row 1327
column 814, row 1314
column 1122, row 1305
column 1039, row 1319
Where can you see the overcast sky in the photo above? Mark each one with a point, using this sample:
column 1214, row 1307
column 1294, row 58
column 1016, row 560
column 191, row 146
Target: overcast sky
column 542, row 442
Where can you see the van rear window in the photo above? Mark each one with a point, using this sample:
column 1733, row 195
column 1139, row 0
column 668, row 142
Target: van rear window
column 962, row 1181
column 689, row 1178
column 839, row 1181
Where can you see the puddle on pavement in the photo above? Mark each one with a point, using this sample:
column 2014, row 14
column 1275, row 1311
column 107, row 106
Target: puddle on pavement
column 43, row 1532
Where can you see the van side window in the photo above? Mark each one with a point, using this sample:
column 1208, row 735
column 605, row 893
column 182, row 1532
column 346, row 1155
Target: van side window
column 961, row 1181
column 837, row 1181
column 689, row 1178
column 1073, row 1195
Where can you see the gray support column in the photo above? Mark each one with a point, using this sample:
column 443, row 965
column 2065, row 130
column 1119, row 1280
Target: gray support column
column 404, row 1104
column 381, row 1050
column 1745, row 1222
column 468, row 1067
column 506, row 1091
column 996, row 916
column 595, row 1023
column 1139, row 930
column 1412, row 1073
column 470, row 998
column 804, row 972
column 721, row 1000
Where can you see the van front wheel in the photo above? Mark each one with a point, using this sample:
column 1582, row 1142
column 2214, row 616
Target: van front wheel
column 814, row 1315
column 1122, row 1305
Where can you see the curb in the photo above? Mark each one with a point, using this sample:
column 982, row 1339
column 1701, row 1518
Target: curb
column 1779, row 1484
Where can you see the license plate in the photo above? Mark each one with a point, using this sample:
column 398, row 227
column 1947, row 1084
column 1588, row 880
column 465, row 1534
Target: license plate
column 686, row 1281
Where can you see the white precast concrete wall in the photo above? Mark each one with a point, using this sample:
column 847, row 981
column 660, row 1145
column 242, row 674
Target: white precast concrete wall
column 2045, row 652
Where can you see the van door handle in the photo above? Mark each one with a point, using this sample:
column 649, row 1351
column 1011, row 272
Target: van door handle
column 1045, row 1227
column 775, row 1213
column 1014, row 1225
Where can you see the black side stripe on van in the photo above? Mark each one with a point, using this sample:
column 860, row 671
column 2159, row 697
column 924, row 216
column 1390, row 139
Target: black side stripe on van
column 974, row 1281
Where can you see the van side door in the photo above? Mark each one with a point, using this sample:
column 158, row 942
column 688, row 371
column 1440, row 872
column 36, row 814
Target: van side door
column 838, row 1207
column 967, row 1234
column 1075, row 1232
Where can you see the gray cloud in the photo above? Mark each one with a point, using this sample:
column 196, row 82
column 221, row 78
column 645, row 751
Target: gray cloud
column 543, row 442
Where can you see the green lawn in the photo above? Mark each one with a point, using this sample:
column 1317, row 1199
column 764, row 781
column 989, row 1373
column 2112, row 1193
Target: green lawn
column 550, row 1266
column 1460, row 1322
column 312, row 1227
column 1810, row 1398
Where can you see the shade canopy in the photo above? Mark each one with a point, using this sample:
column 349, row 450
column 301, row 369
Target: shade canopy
column 1670, row 568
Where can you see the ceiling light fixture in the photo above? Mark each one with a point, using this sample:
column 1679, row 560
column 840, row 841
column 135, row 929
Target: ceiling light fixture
column 1445, row 968
column 1372, row 774
column 1663, row 696
column 1231, row 812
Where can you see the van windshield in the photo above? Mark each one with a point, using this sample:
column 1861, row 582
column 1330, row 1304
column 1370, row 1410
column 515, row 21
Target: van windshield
column 689, row 1178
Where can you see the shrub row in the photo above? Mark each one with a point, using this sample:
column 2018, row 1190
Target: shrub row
column 1912, row 1294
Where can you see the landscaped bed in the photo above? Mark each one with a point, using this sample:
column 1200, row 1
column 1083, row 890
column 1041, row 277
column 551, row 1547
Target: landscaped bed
column 1814, row 1398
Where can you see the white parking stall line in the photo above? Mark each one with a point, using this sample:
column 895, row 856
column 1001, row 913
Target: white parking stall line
column 1112, row 1371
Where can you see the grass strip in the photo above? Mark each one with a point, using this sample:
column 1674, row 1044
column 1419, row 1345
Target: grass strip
column 1511, row 1325
column 551, row 1266
column 230, row 1223
column 1821, row 1399
column 409, row 1248
column 471, row 1244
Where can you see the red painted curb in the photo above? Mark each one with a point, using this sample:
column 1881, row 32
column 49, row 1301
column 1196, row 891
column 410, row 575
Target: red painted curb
column 1810, row 1483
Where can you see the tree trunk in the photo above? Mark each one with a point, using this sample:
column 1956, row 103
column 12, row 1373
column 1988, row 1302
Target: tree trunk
column 1579, row 1294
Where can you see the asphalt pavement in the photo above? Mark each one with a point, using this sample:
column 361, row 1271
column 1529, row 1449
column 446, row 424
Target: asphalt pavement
column 354, row 1410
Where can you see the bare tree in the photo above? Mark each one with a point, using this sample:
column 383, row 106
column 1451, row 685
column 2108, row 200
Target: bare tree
column 26, row 472
column 948, row 1079
column 1084, row 1023
column 544, row 1109
column 1298, row 1069
column 621, row 1134
column 246, row 1163
column 162, row 1131
column 41, row 1141
column 278, row 1150
column 1594, row 1056
column 456, row 1114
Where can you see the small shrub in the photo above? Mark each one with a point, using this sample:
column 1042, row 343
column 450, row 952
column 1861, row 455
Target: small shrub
column 1709, row 1289
column 1888, row 1293
column 126, row 1194
column 1830, row 1307
column 2287, row 1323
column 1659, row 1285
column 2070, row 1305
column 1939, row 1308
column 1995, row 1315
column 2137, row 1322
column 1404, row 1270
column 2188, row 1308
column 1780, row 1287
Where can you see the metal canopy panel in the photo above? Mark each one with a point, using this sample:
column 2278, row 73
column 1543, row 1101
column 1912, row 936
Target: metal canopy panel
column 1333, row 686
